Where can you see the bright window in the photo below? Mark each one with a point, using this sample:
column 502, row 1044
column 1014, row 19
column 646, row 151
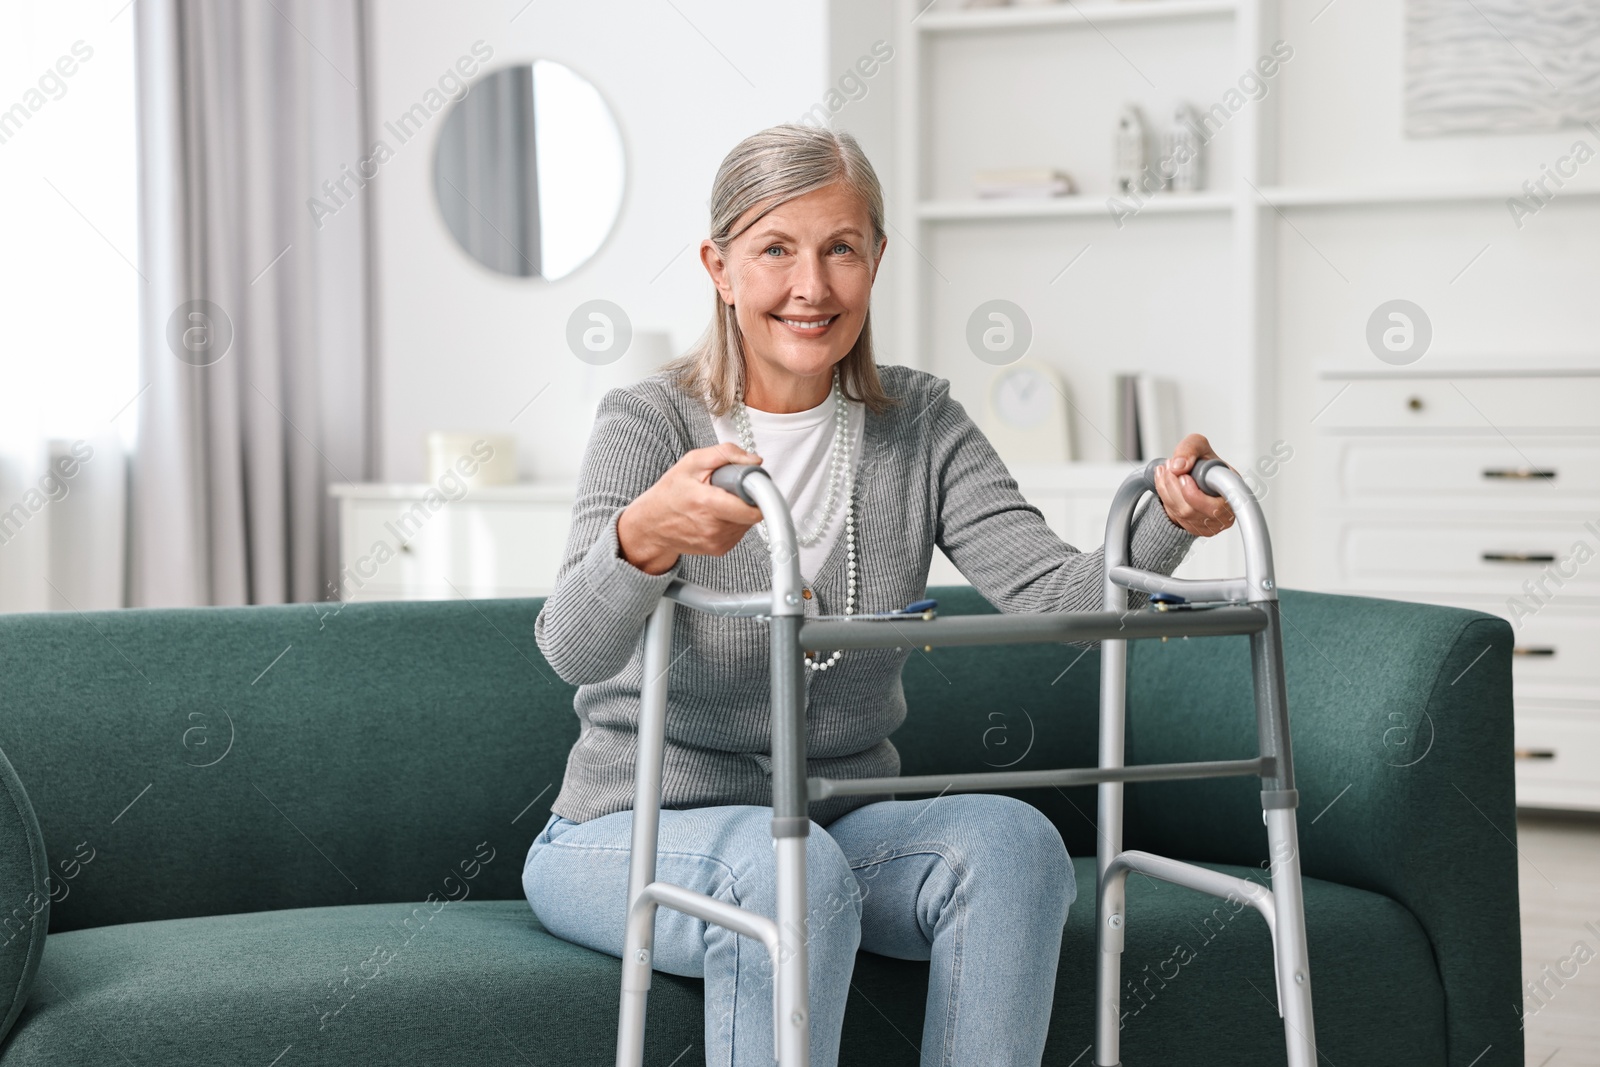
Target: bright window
column 69, row 254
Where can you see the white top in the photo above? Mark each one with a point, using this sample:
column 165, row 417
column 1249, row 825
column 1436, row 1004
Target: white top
column 796, row 450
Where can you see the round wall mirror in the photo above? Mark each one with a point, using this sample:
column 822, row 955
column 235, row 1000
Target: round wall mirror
column 529, row 170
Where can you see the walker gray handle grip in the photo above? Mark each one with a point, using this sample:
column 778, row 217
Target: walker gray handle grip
column 740, row 479
column 1201, row 469
column 1215, row 478
column 731, row 476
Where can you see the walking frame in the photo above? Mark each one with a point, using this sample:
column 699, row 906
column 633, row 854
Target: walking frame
column 1225, row 606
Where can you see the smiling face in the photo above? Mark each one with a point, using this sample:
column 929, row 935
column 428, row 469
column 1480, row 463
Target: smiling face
column 800, row 283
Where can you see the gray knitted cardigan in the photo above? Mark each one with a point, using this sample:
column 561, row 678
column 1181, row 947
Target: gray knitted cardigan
column 927, row 477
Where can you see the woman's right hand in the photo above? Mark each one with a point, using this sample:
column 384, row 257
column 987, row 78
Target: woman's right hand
column 684, row 514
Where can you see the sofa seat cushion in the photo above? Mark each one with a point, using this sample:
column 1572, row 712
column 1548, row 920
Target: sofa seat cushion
column 477, row 982
column 481, row 982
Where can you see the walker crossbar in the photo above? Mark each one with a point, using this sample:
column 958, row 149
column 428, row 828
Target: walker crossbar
column 712, row 602
column 711, row 910
column 1206, row 881
column 1236, row 606
column 823, row 788
column 1199, row 590
column 1202, row 878
column 1033, row 627
column 839, row 631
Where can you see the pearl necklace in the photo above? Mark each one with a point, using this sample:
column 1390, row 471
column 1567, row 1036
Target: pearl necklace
column 836, row 466
column 839, row 467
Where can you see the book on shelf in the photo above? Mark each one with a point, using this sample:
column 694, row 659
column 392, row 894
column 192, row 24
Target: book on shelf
column 1023, row 182
column 1147, row 424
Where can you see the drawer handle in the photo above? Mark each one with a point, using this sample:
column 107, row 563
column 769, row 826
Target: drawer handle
column 405, row 546
column 1535, row 753
column 1414, row 403
column 1519, row 557
column 1532, row 650
column 1520, row 474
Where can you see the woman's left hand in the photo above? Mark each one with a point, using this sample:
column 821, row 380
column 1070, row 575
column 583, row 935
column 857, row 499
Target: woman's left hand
column 1186, row 503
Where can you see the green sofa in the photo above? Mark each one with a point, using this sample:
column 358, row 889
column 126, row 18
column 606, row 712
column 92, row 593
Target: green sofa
column 287, row 836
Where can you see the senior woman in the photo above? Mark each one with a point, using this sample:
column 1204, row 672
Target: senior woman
column 880, row 466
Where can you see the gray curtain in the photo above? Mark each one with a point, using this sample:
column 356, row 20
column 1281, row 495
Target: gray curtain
column 255, row 325
column 486, row 173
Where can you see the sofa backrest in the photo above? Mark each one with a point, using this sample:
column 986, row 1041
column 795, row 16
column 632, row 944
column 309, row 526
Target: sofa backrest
column 188, row 762
column 1381, row 698
column 219, row 760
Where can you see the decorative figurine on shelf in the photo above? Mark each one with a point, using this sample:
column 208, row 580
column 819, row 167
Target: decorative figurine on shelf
column 1183, row 159
column 1130, row 151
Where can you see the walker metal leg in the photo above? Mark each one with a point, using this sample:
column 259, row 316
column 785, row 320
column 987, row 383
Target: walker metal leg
column 1110, row 895
column 638, row 943
column 790, row 827
column 1279, row 800
column 785, row 939
column 791, row 1004
column 1294, row 971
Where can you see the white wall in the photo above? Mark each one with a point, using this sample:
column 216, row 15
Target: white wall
column 1342, row 117
column 464, row 349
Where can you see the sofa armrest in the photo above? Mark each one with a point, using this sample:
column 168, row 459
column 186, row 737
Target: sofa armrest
column 24, row 894
column 1401, row 727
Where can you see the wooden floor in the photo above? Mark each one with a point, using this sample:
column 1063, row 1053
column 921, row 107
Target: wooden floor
column 1560, row 888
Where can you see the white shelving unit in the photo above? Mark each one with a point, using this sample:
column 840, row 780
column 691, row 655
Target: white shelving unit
column 944, row 47
column 1256, row 295
column 960, row 74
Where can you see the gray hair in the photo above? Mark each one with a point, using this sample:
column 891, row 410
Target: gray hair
column 765, row 170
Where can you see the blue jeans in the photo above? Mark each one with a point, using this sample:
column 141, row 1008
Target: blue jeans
column 977, row 884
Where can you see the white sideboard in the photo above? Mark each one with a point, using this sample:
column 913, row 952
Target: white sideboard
column 398, row 542
column 1479, row 486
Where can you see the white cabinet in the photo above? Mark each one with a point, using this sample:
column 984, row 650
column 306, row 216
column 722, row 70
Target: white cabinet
column 1480, row 488
column 410, row 542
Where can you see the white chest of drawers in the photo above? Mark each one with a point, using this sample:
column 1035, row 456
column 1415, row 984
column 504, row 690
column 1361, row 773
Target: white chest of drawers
column 1479, row 486
column 398, row 543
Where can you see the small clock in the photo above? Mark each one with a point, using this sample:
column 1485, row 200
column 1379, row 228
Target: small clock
column 1028, row 414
